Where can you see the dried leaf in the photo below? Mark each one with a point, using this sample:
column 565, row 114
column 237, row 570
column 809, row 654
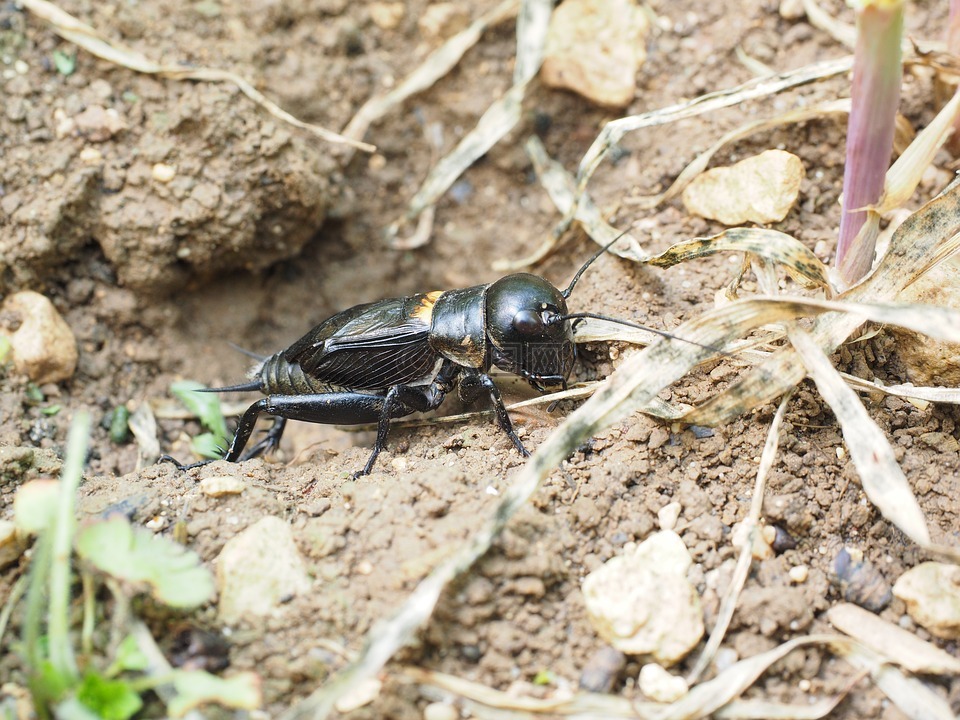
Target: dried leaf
column 881, row 477
column 911, row 695
column 893, row 642
column 770, row 245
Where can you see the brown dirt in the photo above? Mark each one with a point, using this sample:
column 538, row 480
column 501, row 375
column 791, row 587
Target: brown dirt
column 262, row 234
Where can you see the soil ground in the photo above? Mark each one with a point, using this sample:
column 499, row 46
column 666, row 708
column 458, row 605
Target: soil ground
column 265, row 232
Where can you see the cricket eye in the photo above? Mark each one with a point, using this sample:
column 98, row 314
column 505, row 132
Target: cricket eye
column 527, row 322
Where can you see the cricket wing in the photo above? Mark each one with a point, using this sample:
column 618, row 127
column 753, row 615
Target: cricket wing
column 373, row 346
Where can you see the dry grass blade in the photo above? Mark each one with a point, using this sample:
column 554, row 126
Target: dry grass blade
column 927, row 394
column 710, row 696
column 770, row 245
column 440, row 62
column 699, row 164
column 497, row 121
column 742, row 570
column 143, row 425
column 911, row 695
column 843, row 33
column 769, row 710
column 881, row 477
column 904, row 175
column 614, row 131
column 928, row 235
column 891, row 641
column 718, row 697
column 560, row 187
column 86, row 37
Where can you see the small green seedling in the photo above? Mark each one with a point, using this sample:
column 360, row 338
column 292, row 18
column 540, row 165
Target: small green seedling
column 65, row 63
column 206, row 406
column 97, row 682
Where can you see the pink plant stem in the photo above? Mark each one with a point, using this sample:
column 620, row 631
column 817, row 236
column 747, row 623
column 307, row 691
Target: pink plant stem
column 953, row 46
column 875, row 96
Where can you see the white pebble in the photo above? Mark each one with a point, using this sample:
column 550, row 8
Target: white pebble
column 163, row 173
column 659, row 685
column 220, row 485
column 91, row 156
column 668, row 515
column 798, row 574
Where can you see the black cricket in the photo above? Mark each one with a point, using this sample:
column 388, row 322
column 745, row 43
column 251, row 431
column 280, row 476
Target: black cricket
column 387, row 359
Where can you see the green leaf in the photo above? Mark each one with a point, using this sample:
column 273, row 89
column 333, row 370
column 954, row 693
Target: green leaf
column 195, row 687
column 54, row 684
column 34, row 505
column 65, row 63
column 205, row 406
column 51, row 409
column 175, row 575
column 109, row 699
column 34, row 394
column 129, row 657
column 208, row 445
column 545, row 677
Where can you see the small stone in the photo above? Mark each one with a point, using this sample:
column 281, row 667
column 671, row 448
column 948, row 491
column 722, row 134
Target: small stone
column 642, row 603
column 668, row 515
column 761, row 549
column 782, row 540
column 760, row 189
column 595, row 48
column 529, row 587
column 386, row 15
column 43, row 346
column 860, row 581
column 659, row 685
column 798, row 574
column 931, row 592
column 163, row 173
column 220, row 485
column 21, row 67
column 440, row 711
column 98, row 124
column 91, row 156
column 602, row 669
column 363, row 694
column 258, row 569
column 11, row 544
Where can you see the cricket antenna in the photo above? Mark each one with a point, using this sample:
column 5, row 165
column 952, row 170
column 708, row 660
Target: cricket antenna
column 638, row 326
column 588, row 263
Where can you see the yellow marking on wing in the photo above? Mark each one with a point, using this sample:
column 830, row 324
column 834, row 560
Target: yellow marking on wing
column 424, row 311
